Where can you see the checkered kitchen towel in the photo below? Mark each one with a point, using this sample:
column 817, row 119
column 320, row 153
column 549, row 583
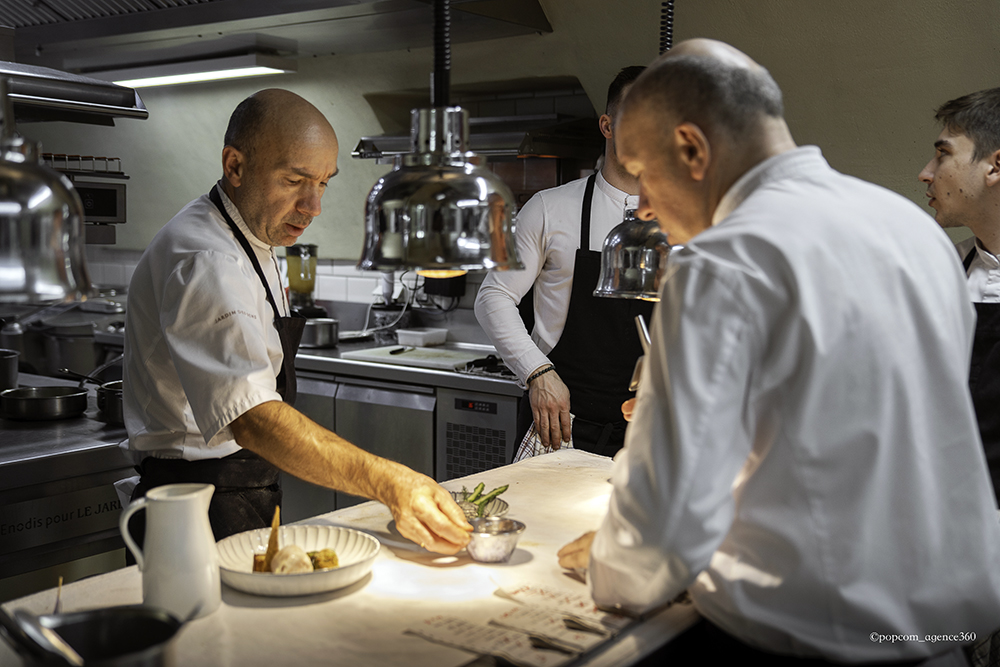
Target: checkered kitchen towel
column 532, row 445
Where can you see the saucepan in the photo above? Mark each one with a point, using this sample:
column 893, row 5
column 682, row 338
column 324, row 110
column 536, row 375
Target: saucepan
column 130, row 636
column 320, row 332
column 43, row 403
column 8, row 368
column 109, row 396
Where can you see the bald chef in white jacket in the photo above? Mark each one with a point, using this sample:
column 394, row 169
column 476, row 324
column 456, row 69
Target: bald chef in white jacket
column 804, row 457
column 209, row 373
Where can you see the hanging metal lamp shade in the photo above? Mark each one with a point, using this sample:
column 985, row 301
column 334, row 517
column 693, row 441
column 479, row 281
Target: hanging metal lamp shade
column 41, row 225
column 633, row 260
column 437, row 211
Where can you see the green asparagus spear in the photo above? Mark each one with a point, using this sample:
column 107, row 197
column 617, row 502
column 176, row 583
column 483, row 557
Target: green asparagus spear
column 491, row 495
column 475, row 492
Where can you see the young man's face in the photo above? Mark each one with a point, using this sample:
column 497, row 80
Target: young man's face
column 954, row 181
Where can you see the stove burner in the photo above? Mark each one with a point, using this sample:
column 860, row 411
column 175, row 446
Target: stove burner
column 490, row 366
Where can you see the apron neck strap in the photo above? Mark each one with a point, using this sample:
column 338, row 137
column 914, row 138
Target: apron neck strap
column 217, row 200
column 968, row 259
column 588, row 197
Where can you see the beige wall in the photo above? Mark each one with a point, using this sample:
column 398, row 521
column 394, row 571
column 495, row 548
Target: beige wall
column 861, row 80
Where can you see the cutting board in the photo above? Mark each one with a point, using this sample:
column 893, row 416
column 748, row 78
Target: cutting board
column 420, row 357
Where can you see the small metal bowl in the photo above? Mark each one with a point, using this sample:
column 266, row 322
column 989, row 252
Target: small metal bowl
column 494, row 539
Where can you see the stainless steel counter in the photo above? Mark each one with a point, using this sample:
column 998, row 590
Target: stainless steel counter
column 328, row 361
column 57, row 497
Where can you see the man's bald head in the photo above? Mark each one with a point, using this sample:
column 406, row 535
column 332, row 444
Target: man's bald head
column 273, row 116
column 710, row 84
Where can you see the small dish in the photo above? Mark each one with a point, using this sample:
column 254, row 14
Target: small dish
column 494, row 539
column 355, row 550
column 495, row 507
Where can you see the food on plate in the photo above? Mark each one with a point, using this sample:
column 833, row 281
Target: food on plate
column 272, row 541
column 291, row 559
column 474, row 503
column 324, row 559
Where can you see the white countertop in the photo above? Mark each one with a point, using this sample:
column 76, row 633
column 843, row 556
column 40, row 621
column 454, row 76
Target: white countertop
column 558, row 496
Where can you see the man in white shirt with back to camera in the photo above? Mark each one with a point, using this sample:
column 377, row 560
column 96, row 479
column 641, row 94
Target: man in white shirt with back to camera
column 579, row 358
column 803, row 456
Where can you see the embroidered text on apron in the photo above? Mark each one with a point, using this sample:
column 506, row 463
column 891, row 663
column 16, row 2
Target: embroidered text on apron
column 984, row 380
column 596, row 352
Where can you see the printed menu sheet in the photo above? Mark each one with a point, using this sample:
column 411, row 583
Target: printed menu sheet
column 547, row 627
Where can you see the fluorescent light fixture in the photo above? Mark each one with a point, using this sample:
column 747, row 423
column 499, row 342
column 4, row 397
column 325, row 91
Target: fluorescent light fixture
column 169, row 74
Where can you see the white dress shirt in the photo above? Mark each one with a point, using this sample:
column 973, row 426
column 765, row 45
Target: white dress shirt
column 983, row 276
column 804, row 452
column 200, row 344
column 548, row 236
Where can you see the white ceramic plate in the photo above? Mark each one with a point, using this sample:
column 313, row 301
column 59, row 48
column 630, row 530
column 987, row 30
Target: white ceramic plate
column 496, row 507
column 356, row 552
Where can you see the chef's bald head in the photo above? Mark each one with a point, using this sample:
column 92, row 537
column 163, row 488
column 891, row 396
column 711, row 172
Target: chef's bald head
column 710, row 84
column 273, row 117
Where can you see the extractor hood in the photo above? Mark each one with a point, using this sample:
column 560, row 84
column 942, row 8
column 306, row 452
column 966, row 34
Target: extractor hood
column 43, row 94
column 537, row 117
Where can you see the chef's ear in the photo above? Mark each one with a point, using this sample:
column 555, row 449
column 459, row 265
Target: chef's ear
column 606, row 123
column 694, row 150
column 233, row 165
column 993, row 170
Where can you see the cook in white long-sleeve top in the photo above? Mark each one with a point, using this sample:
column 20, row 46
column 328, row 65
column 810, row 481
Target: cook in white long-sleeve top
column 803, row 456
column 580, row 355
column 209, row 373
column 963, row 184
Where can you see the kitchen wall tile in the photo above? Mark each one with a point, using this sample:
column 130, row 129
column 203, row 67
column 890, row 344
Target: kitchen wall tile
column 97, row 272
column 349, row 270
column 331, row 288
column 114, row 274
column 129, row 272
column 359, row 290
column 324, row 269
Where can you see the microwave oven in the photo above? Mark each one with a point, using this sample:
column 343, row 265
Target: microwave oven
column 102, row 202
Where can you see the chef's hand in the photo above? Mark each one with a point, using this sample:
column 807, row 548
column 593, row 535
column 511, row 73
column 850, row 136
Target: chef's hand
column 426, row 514
column 628, row 409
column 550, row 408
column 576, row 554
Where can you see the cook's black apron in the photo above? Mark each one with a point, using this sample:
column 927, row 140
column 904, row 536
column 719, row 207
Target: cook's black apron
column 984, row 380
column 247, row 487
column 596, row 352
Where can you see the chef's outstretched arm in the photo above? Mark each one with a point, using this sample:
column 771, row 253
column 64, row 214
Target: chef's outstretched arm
column 424, row 511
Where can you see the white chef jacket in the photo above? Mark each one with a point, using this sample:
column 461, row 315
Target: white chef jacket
column 804, row 452
column 983, row 276
column 548, row 236
column 200, row 344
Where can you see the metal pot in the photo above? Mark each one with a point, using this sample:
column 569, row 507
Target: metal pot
column 43, row 403
column 320, row 332
column 8, row 369
column 109, row 402
column 136, row 636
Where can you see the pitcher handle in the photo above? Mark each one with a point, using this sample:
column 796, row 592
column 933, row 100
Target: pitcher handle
column 123, row 527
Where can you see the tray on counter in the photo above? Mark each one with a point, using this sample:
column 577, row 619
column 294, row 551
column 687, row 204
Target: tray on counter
column 419, row 357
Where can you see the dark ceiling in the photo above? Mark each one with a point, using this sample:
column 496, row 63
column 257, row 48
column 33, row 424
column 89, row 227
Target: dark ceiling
column 92, row 35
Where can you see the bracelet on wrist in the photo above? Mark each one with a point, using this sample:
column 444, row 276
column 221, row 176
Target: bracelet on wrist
column 539, row 374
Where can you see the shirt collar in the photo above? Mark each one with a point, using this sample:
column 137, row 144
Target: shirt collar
column 790, row 163
column 234, row 213
column 623, row 199
column 986, row 257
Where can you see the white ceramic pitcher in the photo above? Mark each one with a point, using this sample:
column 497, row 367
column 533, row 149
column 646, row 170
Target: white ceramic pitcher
column 179, row 561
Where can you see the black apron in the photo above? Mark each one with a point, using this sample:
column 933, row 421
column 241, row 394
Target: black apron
column 984, row 380
column 596, row 352
column 247, row 487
